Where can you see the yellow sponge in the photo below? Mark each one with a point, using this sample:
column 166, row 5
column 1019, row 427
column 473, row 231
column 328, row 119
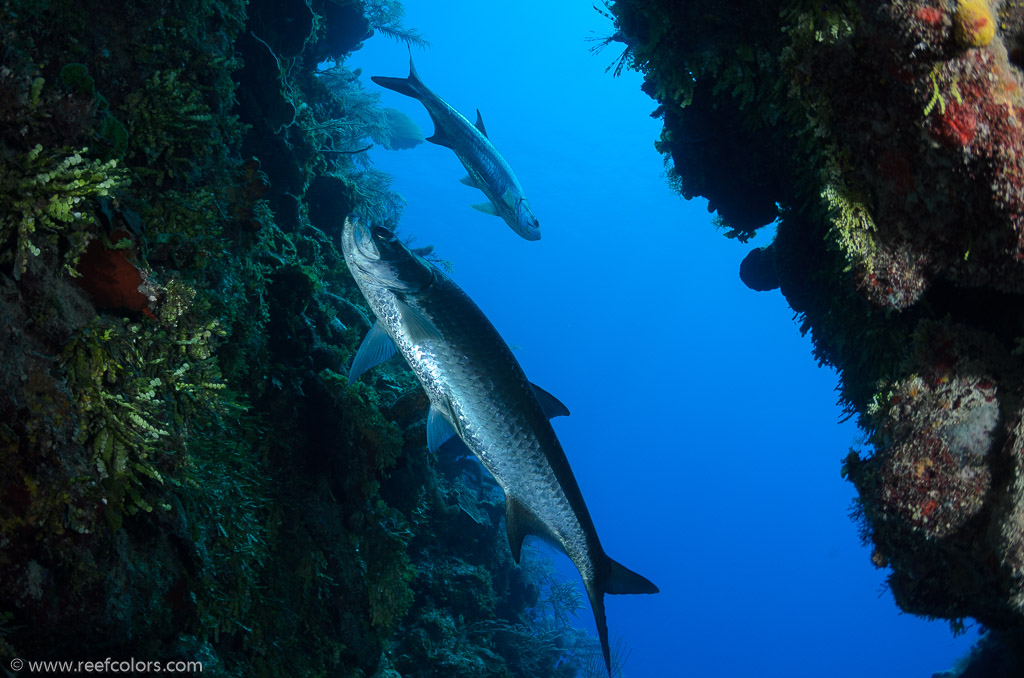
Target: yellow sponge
column 973, row 23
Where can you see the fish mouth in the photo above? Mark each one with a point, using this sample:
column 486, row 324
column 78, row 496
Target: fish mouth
column 356, row 243
column 362, row 237
column 360, row 250
column 376, row 255
column 527, row 225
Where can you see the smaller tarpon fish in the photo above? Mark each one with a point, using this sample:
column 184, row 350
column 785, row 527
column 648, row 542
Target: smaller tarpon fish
column 478, row 392
column 487, row 170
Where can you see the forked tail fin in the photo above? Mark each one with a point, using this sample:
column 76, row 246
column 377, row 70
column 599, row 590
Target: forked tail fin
column 618, row 579
column 410, row 87
column 623, row 580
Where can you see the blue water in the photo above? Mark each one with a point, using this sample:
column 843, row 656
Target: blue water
column 705, row 439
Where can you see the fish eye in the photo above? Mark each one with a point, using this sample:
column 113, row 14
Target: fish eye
column 381, row 233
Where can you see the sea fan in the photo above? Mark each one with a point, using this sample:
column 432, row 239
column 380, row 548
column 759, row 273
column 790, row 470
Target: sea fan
column 385, row 16
column 363, row 118
column 379, row 203
column 402, row 131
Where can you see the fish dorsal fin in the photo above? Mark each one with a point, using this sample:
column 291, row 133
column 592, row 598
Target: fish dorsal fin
column 415, row 325
column 439, row 430
column 480, row 123
column 468, row 181
column 517, row 522
column 376, row 348
column 552, row 406
column 486, row 208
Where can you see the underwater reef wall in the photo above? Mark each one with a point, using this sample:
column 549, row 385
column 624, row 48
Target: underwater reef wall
column 185, row 472
column 885, row 141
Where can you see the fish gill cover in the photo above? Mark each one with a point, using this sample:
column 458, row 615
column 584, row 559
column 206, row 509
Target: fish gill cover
column 884, row 141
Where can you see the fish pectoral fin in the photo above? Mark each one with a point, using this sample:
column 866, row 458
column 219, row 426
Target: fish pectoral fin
column 376, row 348
column 415, row 325
column 480, row 123
column 439, row 430
column 621, row 580
column 552, row 406
column 517, row 522
column 486, row 207
column 468, row 181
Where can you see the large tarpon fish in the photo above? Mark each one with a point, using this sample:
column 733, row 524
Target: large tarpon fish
column 487, row 170
column 478, row 392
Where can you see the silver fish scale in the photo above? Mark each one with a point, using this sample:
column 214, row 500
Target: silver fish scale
column 501, row 421
column 471, row 147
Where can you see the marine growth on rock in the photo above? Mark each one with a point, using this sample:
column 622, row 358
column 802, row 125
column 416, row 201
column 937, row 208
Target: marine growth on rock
column 885, row 142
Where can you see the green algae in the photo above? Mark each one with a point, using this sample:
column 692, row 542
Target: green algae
column 49, row 198
column 194, row 475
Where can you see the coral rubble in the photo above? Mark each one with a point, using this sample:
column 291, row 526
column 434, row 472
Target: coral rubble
column 885, row 141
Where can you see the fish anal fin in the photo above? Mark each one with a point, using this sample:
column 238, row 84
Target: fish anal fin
column 621, row 579
column 552, row 406
column 480, row 123
column 517, row 521
column 485, row 207
column 376, row 348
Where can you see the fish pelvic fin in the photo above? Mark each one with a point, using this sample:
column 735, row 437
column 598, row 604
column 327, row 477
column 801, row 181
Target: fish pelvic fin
column 439, row 431
column 517, row 522
column 485, row 207
column 618, row 579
